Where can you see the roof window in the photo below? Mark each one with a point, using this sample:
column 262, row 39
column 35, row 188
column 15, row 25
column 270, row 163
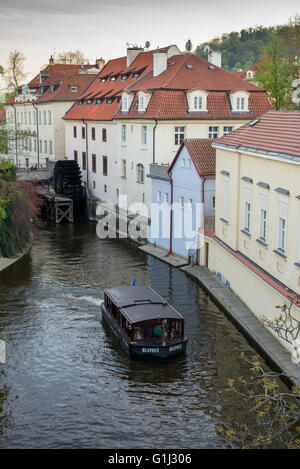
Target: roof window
column 211, row 67
column 190, row 67
column 253, row 122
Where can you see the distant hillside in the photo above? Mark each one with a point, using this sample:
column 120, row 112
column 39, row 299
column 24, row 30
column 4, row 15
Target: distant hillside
column 242, row 49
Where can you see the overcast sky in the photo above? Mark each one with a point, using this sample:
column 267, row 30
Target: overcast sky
column 39, row 28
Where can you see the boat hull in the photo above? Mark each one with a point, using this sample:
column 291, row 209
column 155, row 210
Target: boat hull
column 144, row 351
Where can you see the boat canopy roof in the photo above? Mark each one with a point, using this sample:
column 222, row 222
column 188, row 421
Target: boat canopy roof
column 140, row 303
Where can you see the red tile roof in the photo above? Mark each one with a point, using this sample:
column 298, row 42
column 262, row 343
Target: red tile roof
column 113, row 89
column 168, row 100
column 64, row 76
column 277, row 132
column 202, row 154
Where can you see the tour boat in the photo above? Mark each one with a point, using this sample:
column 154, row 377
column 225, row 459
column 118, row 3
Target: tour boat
column 145, row 324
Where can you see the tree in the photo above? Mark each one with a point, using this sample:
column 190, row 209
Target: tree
column 273, row 74
column 72, row 57
column 276, row 413
column 14, row 72
column 1, row 70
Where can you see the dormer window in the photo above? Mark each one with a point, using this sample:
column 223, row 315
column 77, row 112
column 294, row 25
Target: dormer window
column 102, row 80
column 141, row 103
column 74, row 89
column 124, row 103
column 239, row 101
column 123, row 77
column 198, row 102
column 112, row 78
column 135, row 75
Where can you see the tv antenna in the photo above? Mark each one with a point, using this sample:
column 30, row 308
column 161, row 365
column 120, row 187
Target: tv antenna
column 206, row 49
column 188, row 46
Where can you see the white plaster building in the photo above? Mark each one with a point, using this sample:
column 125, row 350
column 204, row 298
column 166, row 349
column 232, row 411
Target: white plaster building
column 35, row 114
column 149, row 101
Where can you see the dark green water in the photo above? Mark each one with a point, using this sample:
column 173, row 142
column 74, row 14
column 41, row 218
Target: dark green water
column 67, row 384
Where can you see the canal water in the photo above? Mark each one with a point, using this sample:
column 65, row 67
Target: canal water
column 68, row 384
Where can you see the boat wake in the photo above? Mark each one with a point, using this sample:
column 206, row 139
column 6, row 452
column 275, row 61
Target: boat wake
column 87, row 299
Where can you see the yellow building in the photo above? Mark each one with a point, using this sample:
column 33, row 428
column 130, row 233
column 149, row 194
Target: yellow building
column 256, row 246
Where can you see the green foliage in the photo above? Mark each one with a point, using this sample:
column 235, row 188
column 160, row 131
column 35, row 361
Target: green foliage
column 274, row 73
column 274, row 415
column 240, row 49
column 18, row 204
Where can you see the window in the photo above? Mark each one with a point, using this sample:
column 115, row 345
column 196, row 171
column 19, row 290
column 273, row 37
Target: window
column 247, row 216
column 94, row 185
column 227, row 130
column 141, row 103
column 105, row 188
column 49, row 118
column 263, row 225
column 83, row 132
column 25, row 117
column 45, row 147
column 94, row 163
column 124, row 103
column 179, row 135
column 83, row 160
column 34, row 117
column 123, row 133
column 50, row 147
column 104, row 163
column 124, row 169
column 104, row 135
column 213, row 132
column 282, row 234
column 41, row 148
column 29, row 117
column 181, row 201
column 144, row 135
column 34, row 145
column 214, row 201
column 190, row 204
column 166, row 197
column 140, row 173
column 76, row 156
column 44, row 117
column 189, row 162
column 93, row 133
column 29, row 144
column 198, row 102
column 159, row 196
column 40, row 117
column 75, row 131
column 240, row 103
column 182, row 162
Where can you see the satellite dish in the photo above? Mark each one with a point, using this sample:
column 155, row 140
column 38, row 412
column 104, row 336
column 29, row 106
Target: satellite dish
column 188, row 46
column 206, row 49
column 147, row 45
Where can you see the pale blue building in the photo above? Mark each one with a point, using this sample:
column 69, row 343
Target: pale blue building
column 188, row 186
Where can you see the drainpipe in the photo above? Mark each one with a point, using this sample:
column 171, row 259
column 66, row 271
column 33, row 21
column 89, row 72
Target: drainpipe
column 16, row 134
column 154, row 128
column 87, row 155
column 37, row 134
column 171, row 215
column 197, row 253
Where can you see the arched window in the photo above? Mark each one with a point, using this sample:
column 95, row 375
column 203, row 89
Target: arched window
column 140, row 173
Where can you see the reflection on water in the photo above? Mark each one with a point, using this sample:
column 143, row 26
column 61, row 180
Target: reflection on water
column 76, row 387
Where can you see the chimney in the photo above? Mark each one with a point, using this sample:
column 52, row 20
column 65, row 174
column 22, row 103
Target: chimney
column 100, row 63
column 160, row 58
column 132, row 53
column 215, row 57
